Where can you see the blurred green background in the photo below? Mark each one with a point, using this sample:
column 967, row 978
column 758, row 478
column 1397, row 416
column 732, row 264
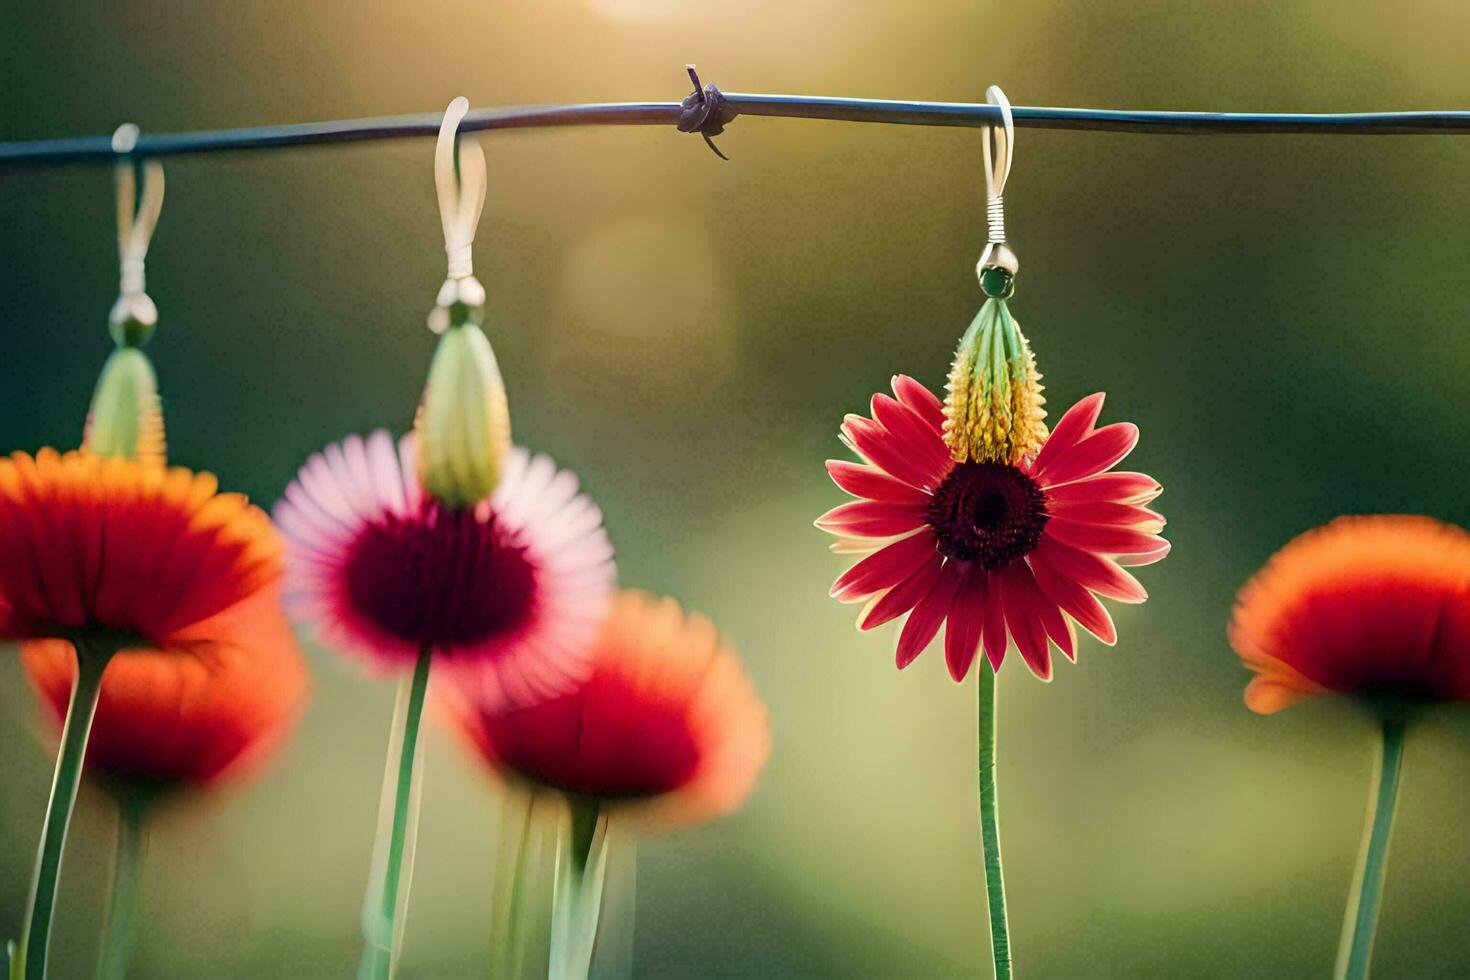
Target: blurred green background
column 1283, row 316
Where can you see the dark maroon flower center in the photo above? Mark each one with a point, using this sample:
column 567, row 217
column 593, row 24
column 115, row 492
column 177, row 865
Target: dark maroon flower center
column 987, row 512
column 441, row 576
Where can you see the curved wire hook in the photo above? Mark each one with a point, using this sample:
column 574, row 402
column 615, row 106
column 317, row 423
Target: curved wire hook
column 136, row 219
column 460, row 179
column 133, row 316
column 998, row 160
column 999, row 148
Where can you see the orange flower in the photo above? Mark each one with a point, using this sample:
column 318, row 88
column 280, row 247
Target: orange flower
column 1370, row 606
column 91, row 543
column 208, row 707
column 668, row 729
column 186, row 577
column 154, row 578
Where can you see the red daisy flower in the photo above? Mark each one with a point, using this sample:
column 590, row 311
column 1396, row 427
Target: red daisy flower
column 1369, row 606
column 667, row 729
column 1001, row 552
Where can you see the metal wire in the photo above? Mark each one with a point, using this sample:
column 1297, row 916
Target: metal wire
column 962, row 114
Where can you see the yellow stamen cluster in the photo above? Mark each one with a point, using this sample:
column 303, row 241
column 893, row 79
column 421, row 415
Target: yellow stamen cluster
column 993, row 411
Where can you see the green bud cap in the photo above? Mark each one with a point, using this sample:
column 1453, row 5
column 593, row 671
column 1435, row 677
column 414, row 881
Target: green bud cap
column 126, row 418
column 132, row 320
column 461, row 301
column 463, row 423
column 997, row 283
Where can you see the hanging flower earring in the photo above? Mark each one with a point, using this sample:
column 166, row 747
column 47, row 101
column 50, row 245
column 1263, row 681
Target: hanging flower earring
column 121, row 575
column 973, row 516
column 449, row 546
column 126, row 418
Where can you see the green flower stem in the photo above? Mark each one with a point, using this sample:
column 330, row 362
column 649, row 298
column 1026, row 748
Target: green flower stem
column 405, row 782
column 132, row 839
column 576, row 902
column 1361, row 921
column 92, row 658
column 995, row 889
column 380, row 913
column 513, row 870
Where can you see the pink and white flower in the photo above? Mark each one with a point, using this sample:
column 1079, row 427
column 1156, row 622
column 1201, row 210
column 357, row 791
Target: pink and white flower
column 512, row 590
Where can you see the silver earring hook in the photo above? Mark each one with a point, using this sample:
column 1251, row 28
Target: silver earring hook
column 460, row 181
column 999, row 147
column 136, row 221
column 459, row 178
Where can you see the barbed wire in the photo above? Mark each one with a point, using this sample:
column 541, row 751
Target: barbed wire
column 708, row 111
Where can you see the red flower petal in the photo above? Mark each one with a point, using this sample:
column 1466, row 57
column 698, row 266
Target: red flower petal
column 996, row 637
column 927, row 616
column 1104, row 540
column 1062, row 631
column 872, row 519
column 1108, row 514
column 1145, row 557
column 879, row 446
column 1098, row 452
column 1058, row 626
column 920, row 439
column 966, row 621
column 1071, row 429
column 902, row 597
column 871, row 483
column 886, row 567
column 1265, row 695
column 1073, row 599
column 1120, row 487
column 1093, row 572
column 920, row 399
column 1023, row 604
